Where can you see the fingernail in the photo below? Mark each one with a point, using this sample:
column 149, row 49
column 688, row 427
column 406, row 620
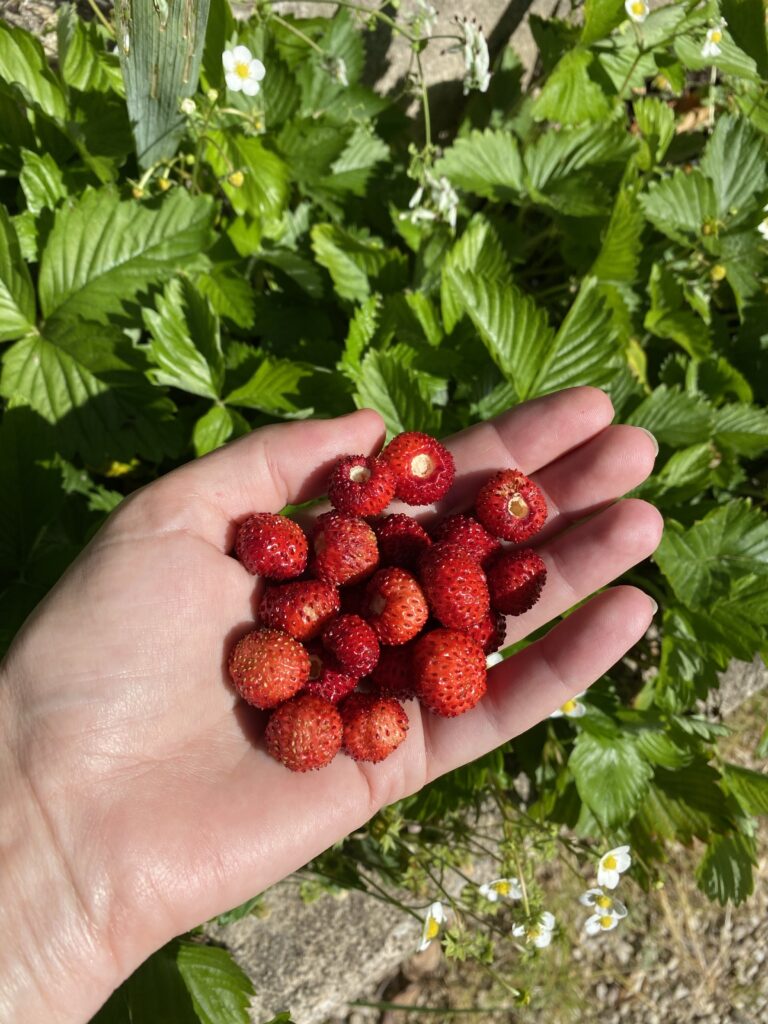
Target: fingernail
column 655, row 442
column 654, row 604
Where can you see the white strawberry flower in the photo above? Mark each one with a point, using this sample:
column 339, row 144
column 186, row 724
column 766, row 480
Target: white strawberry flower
column 441, row 202
column 509, row 887
column 762, row 227
column 637, row 10
column 435, row 916
column 714, row 37
column 603, row 903
column 243, row 71
column 423, row 19
column 572, row 708
column 477, row 61
column 188, row 106
column 539, row 933
column 602, row 922
column 612, row 865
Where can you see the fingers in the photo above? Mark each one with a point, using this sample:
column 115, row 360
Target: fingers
column 532, row 684
column 272, row 467
column 528, row 437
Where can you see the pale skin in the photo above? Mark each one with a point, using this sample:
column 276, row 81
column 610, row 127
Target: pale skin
column 136, row 796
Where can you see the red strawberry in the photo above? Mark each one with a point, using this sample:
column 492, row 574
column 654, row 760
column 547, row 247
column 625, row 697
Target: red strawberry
column 393, row 676
column 424, row 468
column 469, row 535
column 515, row 580
column 272, row 546
column 354, row 644
column 449, row 668
column 454, row 585
column 374, row 726
column 327, row 678
column 361, row 486
column 401, row 540
column 304, row 733
column 303, row 609
column 395, row 606
column 344, row 548
column 267, row 667
column 511, row 506
column 489, row 632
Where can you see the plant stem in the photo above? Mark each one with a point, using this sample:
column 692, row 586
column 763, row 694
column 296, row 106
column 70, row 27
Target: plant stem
column 100, row 15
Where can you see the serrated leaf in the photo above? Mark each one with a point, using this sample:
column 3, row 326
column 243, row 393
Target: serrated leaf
column 674, row 417
column 41, row 181
column 98, row 404
column 656, row 120
column 735, row 161
column 728, row 544
column 750, row 788
column 400, row 394
column 220, row 990
column 83, row 60
column 600, row 18
column 725, row 871
column 212, row 430
column 23, row 64
column 569, row 95
column 352, row 260
column 611, row 776
column 185, row 341
column 17, row 294
column 510, row 324
column 102, row 250
column 478, row 251
column 617, row 261
column 362, row 329
column 271, row 386
column 669, row 315
column 297, row 268
column 732, row 59
column 742, row 429
column 352, row 169
column 230, row 296
column 681, row 205
column 264, row 192
column 486, row 163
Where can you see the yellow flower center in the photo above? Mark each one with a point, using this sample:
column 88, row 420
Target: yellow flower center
column 638, row 7
column 715, row 35
column 502, row 888
column 432, row 928
column 609, row 863
column 533, row 933
column 606, row 921
column 568, row 707
column 604, row 902
column 242, row 69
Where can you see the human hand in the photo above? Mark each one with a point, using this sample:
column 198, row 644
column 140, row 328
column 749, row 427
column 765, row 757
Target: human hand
column 139, row 799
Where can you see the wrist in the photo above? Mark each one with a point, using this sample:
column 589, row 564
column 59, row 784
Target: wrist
column 53, row 966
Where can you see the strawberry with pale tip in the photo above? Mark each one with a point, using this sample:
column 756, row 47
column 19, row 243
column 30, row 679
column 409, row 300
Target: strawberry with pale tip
column 302, row 609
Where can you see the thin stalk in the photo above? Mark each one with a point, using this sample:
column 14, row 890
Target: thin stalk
column 100, row 15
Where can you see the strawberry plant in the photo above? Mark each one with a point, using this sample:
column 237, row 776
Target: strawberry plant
column 263, row 236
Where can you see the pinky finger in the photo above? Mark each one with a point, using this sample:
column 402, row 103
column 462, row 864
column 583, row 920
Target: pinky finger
column 528, row 687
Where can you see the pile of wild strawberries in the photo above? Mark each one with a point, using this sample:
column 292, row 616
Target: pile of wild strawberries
column 378, row 610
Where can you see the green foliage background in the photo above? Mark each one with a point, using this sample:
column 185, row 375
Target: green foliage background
column 607, row 234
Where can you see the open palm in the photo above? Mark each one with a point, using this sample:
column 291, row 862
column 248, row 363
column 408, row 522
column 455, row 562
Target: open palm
column 159, row 797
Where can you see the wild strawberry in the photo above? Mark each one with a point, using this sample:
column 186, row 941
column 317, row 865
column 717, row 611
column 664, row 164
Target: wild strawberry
column 361, row 486
column 344, row 549
column 393, row 675
column 449, row 669
column 511, row 506
column 354, row 644
column 401, row 540
column 271, row 546
column 515, row 580
column 395, row 606
column 423, row 467
column 489, row 632
column 267, row 667
column 454, row 585
column 374, row 726
column 304, row 733
column 303, row 608
column 327, row 678
column 470, row 535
